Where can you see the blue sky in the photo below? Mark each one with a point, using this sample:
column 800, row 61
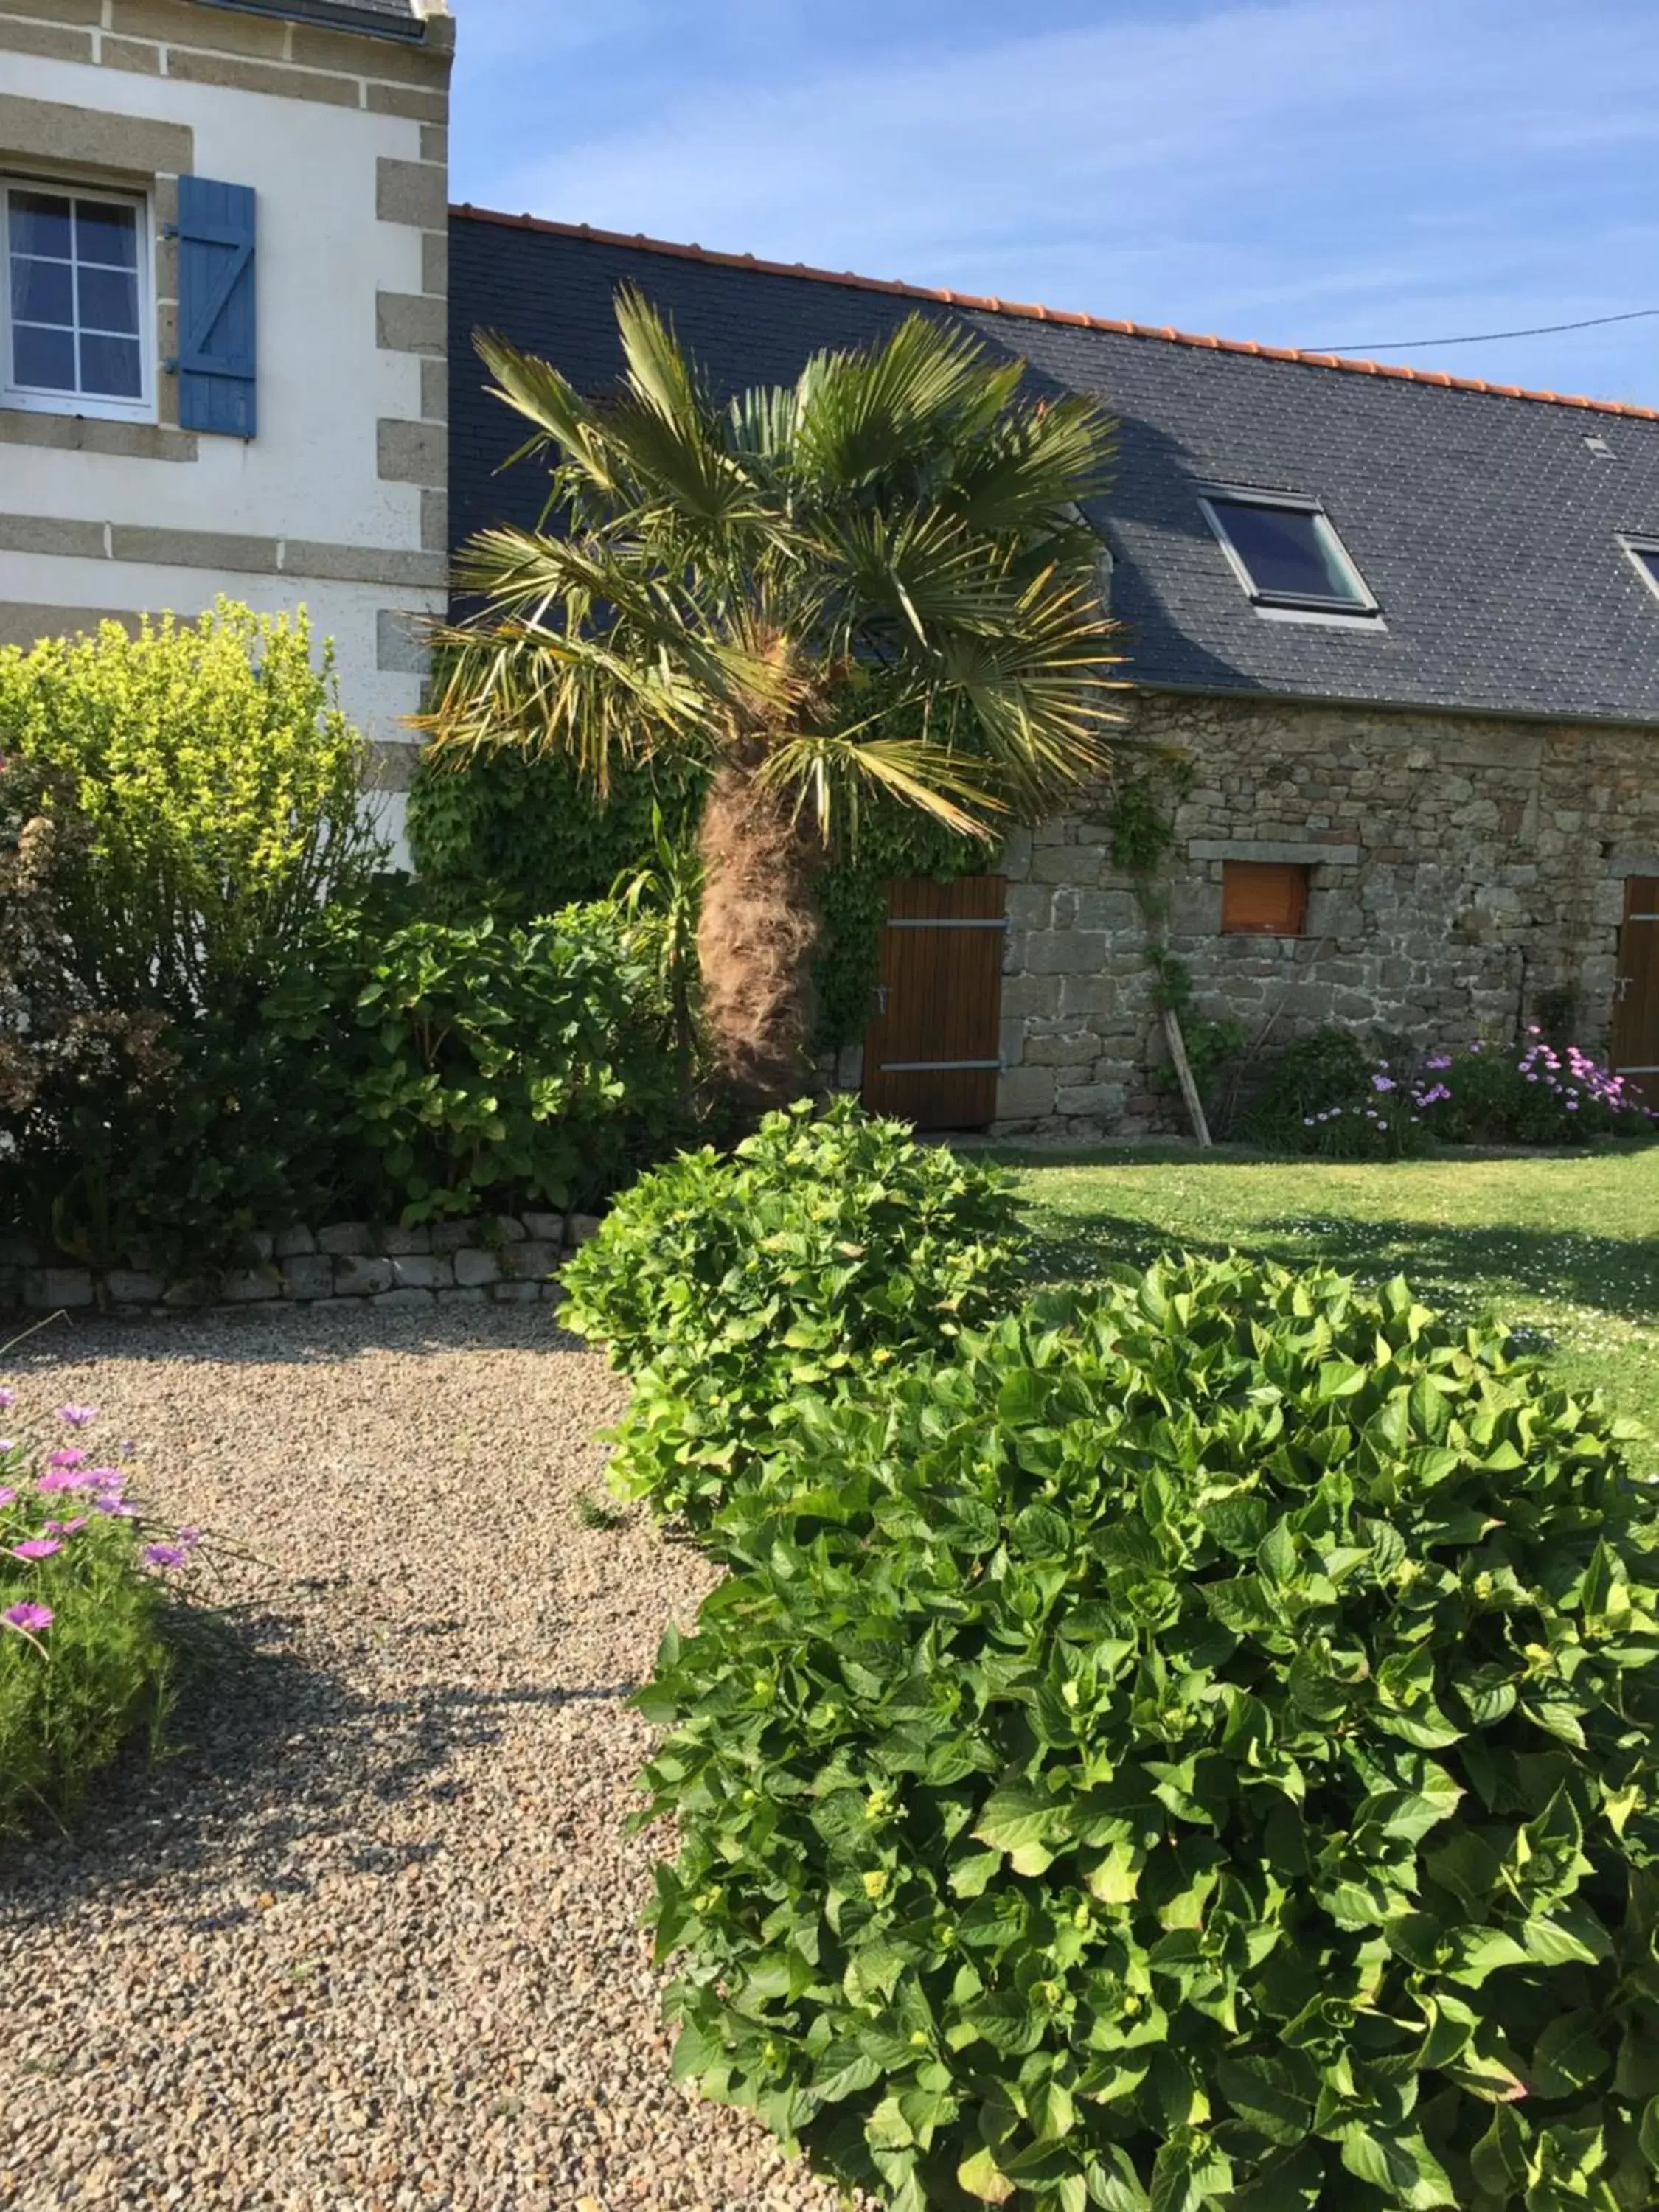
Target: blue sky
column 1316, row 173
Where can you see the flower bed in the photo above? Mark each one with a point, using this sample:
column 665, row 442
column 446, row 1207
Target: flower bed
column 84, row 1655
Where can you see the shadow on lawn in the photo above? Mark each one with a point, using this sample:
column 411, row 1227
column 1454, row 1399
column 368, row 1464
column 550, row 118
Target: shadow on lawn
column 277, row 1766
column 1457, row 1268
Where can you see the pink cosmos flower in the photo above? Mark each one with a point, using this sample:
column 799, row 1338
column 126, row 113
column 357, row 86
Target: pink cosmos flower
column 36, row 1547
column 65, row 1478
column 67, row 1528
column 32, row 1617
column 70, row 1455
column 76, row 1416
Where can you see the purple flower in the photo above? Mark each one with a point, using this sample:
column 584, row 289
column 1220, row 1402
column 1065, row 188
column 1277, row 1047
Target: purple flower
column 190, row 1538
column 110, row 1501
column 72, row 1456
column 67, row 1528
column 163, row 1555
column 8, row 1399
column 104, row 1477
column 76, row 1416
column 1438, row 1061
column 36, row 1547
column 8, row 1497
column 1381, row 1083
column 32, row 1617
column 65, row 1478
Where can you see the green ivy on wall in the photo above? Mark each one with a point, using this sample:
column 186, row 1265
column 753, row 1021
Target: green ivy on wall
column 526, row 837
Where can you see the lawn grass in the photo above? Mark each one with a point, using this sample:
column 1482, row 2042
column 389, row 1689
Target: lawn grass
column 1563, row 1249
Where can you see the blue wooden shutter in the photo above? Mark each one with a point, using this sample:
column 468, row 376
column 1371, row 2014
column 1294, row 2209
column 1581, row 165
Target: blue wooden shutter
column 216, row 352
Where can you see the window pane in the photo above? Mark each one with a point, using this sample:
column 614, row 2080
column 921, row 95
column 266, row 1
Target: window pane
column 44, row 360
column 1285, row 551
column 106, row 235
column 109, row 300
column 1648, row 557
column 39, row 224
column 42, row 291
column 109, row 366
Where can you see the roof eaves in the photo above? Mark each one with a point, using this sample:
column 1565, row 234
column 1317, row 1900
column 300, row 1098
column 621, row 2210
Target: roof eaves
column 1031, row 313
column 371, row 22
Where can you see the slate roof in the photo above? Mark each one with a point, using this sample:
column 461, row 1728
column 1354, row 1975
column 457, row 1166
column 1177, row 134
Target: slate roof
column 1484, row 523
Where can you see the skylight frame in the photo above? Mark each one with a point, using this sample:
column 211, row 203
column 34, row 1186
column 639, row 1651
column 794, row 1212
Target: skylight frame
column 1362, row 607
column 1639, row 547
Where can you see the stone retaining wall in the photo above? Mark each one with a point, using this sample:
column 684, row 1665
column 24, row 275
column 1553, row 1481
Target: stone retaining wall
column 501, row 1259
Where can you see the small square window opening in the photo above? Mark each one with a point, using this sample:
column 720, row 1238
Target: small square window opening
column 1263, row 898
column 75, row 302
column 1285, row 552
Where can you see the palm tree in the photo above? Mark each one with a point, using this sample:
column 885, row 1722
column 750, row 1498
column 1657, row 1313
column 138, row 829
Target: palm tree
column 875, row 585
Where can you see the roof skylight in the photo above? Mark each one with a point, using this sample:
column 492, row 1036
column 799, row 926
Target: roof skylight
column 1644, row 553
column 1285, row 551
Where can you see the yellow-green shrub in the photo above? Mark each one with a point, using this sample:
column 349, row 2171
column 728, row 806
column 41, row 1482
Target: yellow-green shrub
column 221, row 782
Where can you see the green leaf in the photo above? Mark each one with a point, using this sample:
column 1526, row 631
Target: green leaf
column 1568, row 2056
column 979, row 2175
column 1262, row 2091
column 1016, row 1816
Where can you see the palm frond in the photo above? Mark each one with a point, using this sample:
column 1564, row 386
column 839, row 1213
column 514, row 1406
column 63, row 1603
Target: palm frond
column 825, row 772
column 864, row 413
column 561, row 416
column 1031, row 468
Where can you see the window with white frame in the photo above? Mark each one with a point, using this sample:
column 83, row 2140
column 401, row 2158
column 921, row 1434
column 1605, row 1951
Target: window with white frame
column 1285, row 551
column 1644, row 555
column 75, row 311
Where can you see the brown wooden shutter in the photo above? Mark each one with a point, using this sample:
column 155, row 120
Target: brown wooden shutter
column 1263, row 898
column 1635, row 1052
column 931, row 1055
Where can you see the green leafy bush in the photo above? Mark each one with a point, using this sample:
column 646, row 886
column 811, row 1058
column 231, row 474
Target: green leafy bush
column 87, row 1657
column 175, row 809
column 827, row 1250
column 1198, row 1755
column 221, row 785
column 477, row 1064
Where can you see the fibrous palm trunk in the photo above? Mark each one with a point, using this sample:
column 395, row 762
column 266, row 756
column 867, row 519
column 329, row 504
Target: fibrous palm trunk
column 755, row 939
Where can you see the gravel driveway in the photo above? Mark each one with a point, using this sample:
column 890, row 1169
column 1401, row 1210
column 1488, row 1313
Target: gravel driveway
column 371, row 1941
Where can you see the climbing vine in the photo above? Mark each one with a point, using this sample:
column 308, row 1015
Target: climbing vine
column 1140, row 816
column 524, row 837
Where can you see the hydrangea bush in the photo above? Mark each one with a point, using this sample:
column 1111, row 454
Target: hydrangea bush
column 830, row 1249
column 84, row 1656
column 1200, row 1752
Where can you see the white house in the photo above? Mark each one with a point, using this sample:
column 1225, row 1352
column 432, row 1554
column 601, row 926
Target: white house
column 223, row 323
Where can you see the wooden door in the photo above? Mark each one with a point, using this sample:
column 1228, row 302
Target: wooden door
column 931, row 1056
column 1635, row 1051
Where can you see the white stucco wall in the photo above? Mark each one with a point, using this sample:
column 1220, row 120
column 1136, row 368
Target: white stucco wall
column 325, row 384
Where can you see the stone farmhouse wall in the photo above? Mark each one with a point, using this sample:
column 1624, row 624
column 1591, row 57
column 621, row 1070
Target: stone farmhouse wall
column 1459, row 868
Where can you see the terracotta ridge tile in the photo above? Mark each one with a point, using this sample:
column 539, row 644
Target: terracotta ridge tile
column 1020, row 311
